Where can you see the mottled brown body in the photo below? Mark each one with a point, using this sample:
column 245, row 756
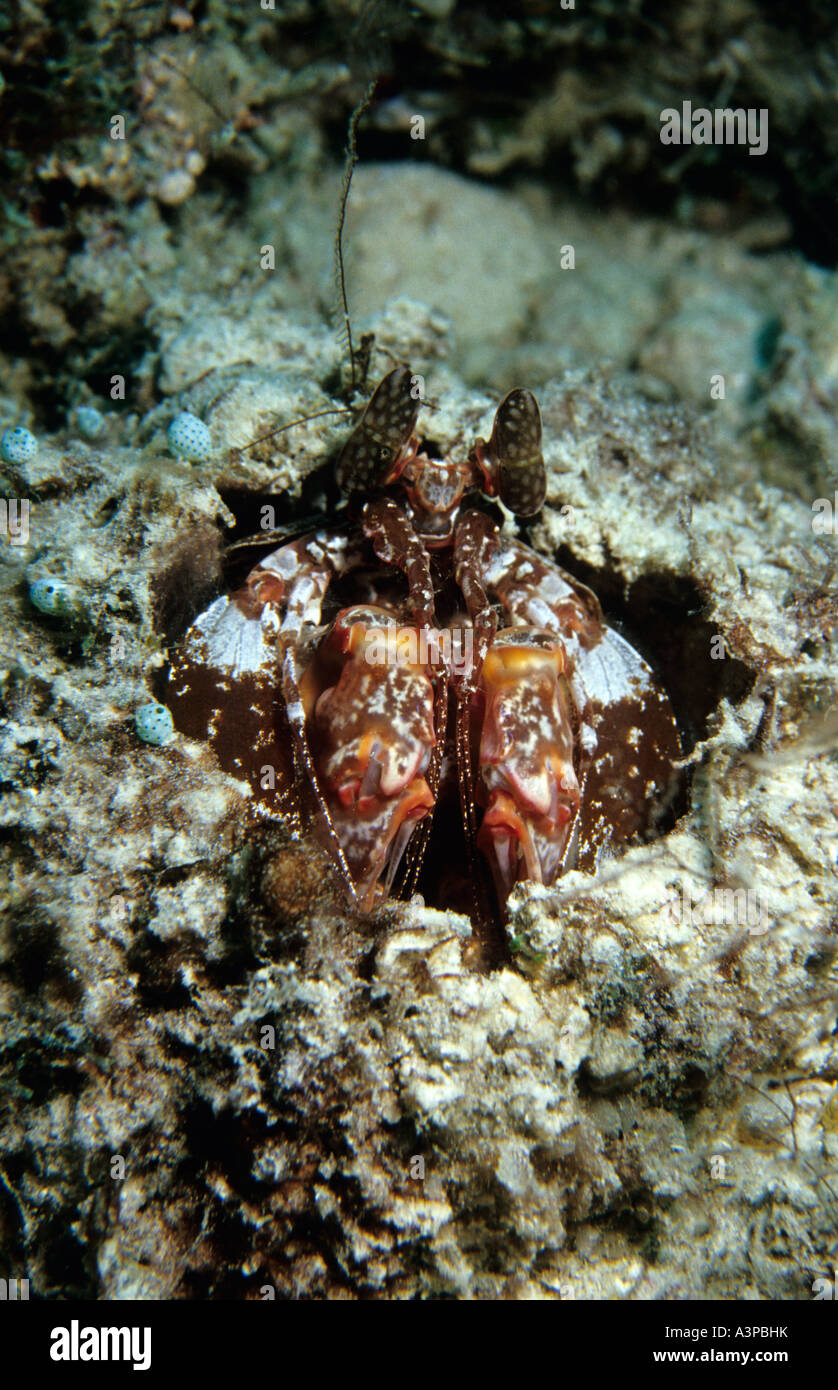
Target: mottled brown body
column 484, row 664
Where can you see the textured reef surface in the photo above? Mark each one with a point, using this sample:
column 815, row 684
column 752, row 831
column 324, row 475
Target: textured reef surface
column 216, row 1077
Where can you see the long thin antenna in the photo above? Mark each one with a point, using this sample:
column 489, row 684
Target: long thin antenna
column 301, row 420
column 348, row 169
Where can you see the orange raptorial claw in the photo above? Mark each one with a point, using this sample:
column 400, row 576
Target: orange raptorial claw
column 526, row 757
column 372, row 735
column 521, row 846
column 416, row 803
column 374, row 841
column 505, row 839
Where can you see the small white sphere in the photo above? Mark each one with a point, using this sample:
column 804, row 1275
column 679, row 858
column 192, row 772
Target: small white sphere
column 89, row 421
column 18, row 445
column 189, row 437
column 52, row 596
column 154, row 724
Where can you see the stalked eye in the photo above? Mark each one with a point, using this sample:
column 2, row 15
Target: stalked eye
column 380, row 435
column 515, row 447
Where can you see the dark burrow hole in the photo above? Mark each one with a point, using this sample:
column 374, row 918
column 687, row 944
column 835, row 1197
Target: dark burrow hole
column 662, row 617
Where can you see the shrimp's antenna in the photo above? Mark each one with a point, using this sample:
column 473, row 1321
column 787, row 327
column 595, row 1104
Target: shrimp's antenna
column 348, row 169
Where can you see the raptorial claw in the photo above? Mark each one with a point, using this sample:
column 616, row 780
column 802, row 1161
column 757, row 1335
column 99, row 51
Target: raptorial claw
column 371, row 734
column 526, row 758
